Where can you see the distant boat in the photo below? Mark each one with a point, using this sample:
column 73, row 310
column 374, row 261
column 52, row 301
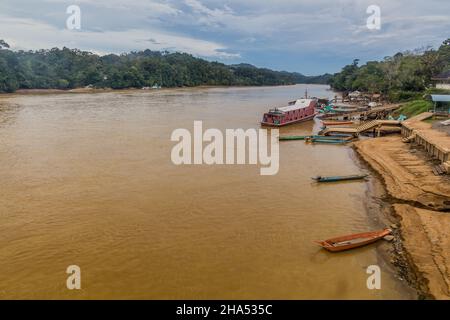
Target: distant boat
column 353, row 240
column 296, row 111
column 340, row 178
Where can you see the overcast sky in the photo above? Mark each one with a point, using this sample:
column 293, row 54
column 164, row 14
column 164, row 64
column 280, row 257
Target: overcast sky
column 308, row 36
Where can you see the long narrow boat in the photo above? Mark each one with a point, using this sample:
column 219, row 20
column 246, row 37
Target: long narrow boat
column 340, row 178
column 287, row 138
column 353, row 240
column 330, row 137
column 326, row 140
column 336, row 123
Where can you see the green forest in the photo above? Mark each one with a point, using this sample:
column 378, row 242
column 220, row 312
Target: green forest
column 404, row 76
column 72, row 68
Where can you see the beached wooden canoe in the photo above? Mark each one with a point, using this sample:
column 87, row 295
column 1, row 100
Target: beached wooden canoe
column 353, row 240
column 340, row 178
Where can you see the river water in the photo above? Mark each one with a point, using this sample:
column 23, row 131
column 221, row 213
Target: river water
column 87, row 180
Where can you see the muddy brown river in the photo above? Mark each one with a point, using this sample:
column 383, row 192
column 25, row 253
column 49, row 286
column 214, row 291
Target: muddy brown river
column 87, row 180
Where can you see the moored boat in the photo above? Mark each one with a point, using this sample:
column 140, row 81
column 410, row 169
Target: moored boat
column 353, row 241
column 287, row 138
column 340, row 178
column 296, row 111
column 333, row 138
column 336, row 123
column 327, row 141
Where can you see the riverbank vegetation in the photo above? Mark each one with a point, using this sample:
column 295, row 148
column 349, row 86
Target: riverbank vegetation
column 405, row 76
column 414, row 107
column 72, row 68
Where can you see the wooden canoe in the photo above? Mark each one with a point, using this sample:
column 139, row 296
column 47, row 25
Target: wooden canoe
column 353, row 240
column 336, row 123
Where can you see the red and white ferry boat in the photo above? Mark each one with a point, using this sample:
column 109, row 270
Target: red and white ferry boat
column 296, row 111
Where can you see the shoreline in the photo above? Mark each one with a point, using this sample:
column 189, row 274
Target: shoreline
column 107, row 90
column 379, row 212
column 379, row 208
column 418, row 222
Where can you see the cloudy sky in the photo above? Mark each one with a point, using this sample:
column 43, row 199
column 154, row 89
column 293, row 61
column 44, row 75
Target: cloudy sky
column 308, row 36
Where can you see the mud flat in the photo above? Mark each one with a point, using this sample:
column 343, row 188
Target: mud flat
column 426, row 238
column 420, row 204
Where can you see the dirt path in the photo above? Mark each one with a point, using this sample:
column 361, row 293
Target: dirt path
column 408, row 175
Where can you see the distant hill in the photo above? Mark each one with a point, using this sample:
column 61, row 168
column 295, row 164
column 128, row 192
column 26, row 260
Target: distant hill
column 296, row 76
column 72, row 68
column 322, row 79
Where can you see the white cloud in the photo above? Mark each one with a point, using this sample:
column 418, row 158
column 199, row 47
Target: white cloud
column 150, row 6
column 25, row 34
column 273, row 32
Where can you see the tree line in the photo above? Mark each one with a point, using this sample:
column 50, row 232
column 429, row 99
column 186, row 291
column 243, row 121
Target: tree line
column 72, row 68
column 400, row 77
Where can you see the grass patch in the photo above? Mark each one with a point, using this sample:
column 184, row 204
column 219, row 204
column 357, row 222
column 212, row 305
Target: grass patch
column 414, row 108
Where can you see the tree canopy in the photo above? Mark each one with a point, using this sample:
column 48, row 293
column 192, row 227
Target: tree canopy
column 397, row 77
column 72, row 68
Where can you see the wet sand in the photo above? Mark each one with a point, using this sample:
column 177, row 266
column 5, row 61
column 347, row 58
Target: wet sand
column 418, row 199
column 426, row 239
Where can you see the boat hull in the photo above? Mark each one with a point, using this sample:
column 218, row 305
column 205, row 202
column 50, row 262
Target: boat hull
column 353, row 241
column 336, row 123
column 267, row 124
column 340, row 178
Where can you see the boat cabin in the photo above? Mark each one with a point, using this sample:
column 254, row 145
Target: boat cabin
column 295, row 111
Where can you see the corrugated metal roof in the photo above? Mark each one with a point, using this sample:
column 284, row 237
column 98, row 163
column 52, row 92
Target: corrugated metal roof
column 443, row 75
column 440, row 97
column 299, row 104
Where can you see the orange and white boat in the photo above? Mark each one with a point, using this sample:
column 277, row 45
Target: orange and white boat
column 353, row 241
column 336, row 123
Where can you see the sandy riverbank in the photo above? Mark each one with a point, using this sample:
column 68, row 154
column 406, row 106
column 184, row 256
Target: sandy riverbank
column 100, row 90
column 419, row 199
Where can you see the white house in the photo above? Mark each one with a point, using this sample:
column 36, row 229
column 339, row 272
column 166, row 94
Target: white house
column 442, row 80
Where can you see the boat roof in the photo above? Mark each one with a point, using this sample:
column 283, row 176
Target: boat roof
column 296, row 104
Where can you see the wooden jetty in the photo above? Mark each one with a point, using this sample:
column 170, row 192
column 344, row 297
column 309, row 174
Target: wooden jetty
column 375, row 125
column 377, row 113
column 435, row 143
